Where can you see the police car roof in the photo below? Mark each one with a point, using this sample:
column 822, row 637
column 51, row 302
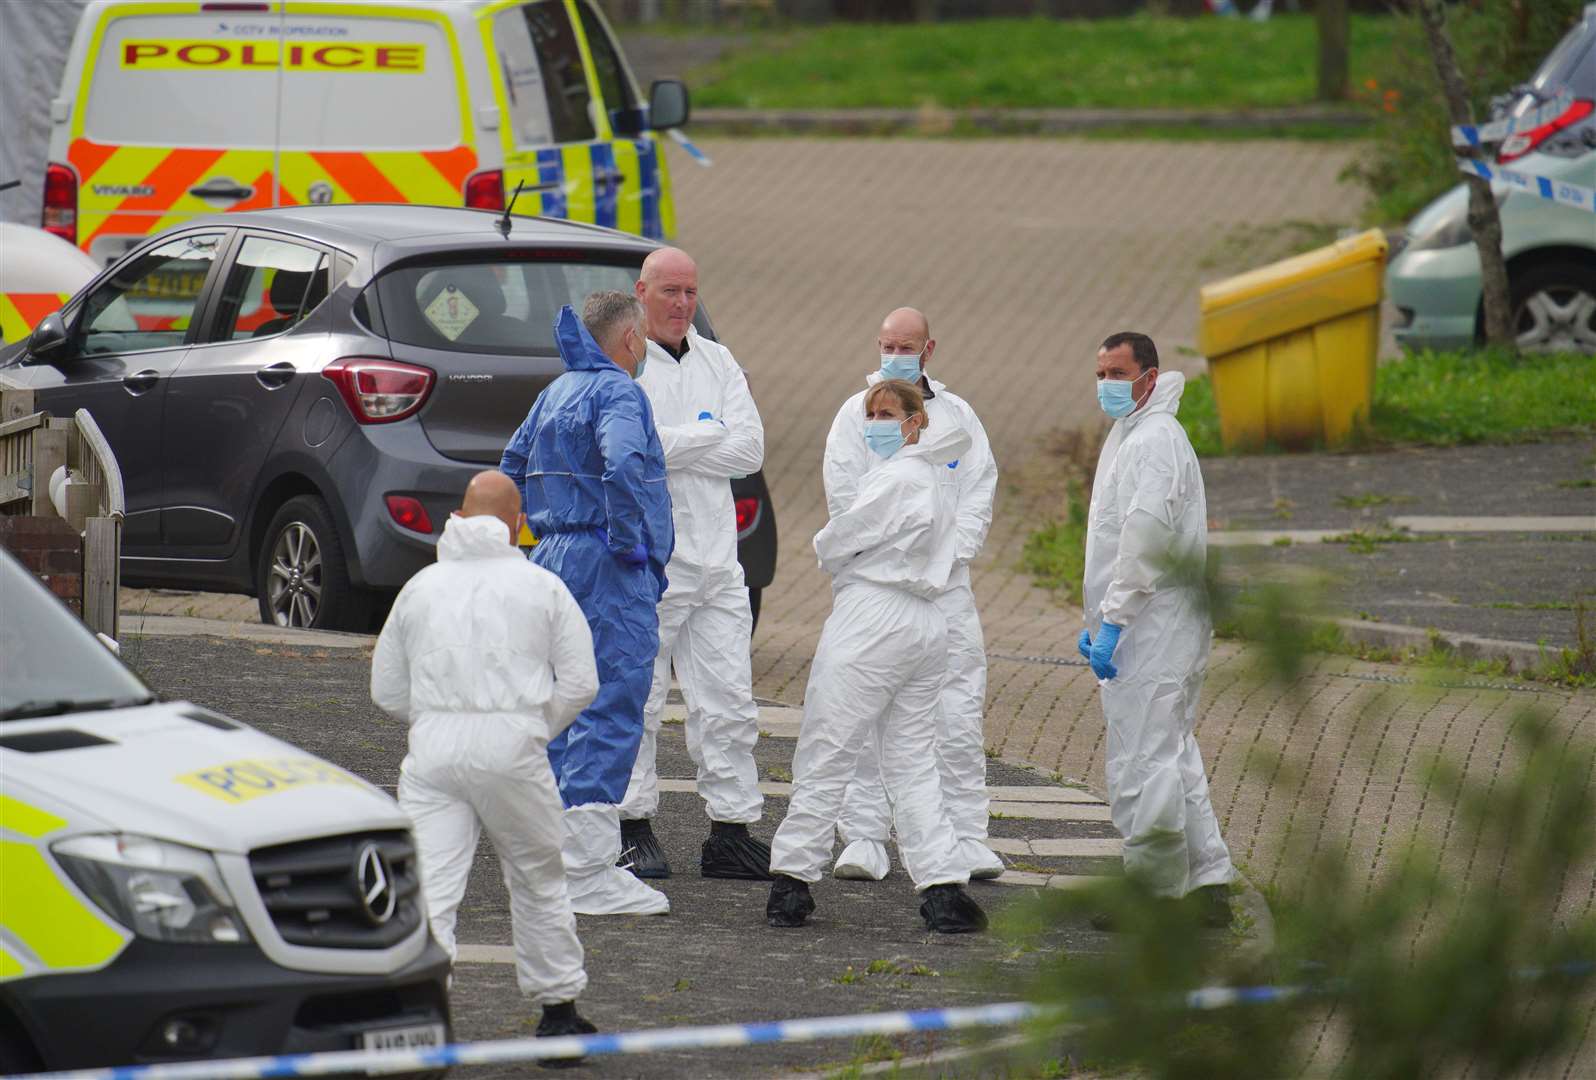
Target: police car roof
column 404, row 229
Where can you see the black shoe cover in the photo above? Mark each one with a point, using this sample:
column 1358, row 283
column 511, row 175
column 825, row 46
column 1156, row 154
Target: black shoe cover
column 561, row 1018
column 948, row 909
column 731, row 853
column 640, row 851
column 790, row 903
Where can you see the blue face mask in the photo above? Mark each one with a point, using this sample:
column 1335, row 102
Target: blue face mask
column 906, row 368
column 1115, row 396
column 885, row 437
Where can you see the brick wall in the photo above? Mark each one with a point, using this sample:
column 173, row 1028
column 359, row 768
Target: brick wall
column 51, row 550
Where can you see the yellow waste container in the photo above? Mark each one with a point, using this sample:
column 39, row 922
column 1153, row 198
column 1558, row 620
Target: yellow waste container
column 1291, row 346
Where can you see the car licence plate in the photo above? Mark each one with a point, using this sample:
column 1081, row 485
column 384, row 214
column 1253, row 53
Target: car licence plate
column 416, row 1036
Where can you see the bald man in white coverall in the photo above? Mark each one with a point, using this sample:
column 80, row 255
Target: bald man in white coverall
column 906, row 346
column 712, row 434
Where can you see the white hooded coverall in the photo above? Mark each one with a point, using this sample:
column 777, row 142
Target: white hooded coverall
column 961, row 745
column 487, row 657
column 877, row 672
column 704, row 618
column 1146, row 543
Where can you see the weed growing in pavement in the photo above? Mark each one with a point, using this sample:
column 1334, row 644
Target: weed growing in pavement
column 1369, row 499
column 1586, row 482
column 1055, row 554
column 1448, row 399
column 848, row 977
column 1367, row 542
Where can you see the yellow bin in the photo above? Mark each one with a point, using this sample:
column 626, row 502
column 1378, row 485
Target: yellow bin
column 1291, row 346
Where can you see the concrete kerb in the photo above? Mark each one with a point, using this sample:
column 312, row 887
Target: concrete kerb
column 136, row 625
column 934, row 120
column 1522, row 656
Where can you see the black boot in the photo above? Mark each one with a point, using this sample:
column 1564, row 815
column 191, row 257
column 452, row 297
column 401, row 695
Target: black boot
column 561, row 1018
column 790, row 903
column 640, row 851
column 730, row 852
column 948, row 909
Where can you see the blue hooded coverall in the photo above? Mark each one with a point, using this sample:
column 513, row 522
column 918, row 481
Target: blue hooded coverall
column 592, row 477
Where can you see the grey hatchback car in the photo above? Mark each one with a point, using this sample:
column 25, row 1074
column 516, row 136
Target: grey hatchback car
column 298, row 396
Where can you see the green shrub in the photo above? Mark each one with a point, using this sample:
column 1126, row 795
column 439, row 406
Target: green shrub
column 1055, row 554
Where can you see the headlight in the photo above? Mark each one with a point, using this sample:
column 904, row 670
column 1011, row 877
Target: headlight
column 1453, row 230
column 162, row 891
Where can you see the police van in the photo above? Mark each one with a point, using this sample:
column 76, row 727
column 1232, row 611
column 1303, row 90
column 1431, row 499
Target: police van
column 175, row 885
column 174, row 108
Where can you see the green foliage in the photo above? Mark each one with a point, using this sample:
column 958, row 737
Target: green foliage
column 1055, row 554
column 1450, row 399
column 1137, row 62
column 1499, row 43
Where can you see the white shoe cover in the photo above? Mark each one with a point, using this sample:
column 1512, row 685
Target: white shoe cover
column 983, row 862
column 613, row 891
column 596, row 885
column 862, row 860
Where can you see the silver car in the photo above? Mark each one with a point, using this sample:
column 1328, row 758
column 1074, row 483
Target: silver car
column 1550, row 248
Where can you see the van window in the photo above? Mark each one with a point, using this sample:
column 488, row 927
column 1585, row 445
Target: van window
column 347, row 84
column 545, row 34
column 149, row 303
column 494, row 307
column 273, row 285
column 613, row 83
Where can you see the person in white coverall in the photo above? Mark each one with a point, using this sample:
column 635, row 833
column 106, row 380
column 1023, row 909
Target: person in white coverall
column 877, row 672
column 1148, row 630
column 711, row 434
column 487, row 656
column 906, row 346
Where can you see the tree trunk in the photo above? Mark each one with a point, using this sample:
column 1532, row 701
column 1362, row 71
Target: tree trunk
column 1484, row 221
column 1335, row 34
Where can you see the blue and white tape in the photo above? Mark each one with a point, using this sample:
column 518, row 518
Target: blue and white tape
column 692, row 149
column 1557, row 191
column 1467, row 135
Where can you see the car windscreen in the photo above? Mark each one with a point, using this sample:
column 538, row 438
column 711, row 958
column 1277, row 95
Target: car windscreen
column 498, row 306
column 49, row 661
column 1570, row 66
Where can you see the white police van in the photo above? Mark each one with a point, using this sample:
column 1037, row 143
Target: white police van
column 175, row 885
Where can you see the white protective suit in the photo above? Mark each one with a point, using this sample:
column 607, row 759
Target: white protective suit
column 704, row 618
column 961, row 746
column 878, row 670
column 487, row 657
column 1146, row 543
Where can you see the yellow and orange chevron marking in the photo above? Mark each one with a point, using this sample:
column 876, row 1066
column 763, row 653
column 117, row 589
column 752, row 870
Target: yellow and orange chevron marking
column 139, row 190
column 21, row 312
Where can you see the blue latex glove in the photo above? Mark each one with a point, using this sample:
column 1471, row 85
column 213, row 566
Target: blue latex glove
column 1103, row 651
column 638, row 556
column 1085, row 645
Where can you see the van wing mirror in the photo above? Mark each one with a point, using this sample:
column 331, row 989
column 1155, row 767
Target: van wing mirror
column 667, row 104
column 49, row 339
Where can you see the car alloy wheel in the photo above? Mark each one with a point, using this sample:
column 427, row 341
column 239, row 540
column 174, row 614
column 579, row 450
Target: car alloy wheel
column 294, row 579
column 1554, row 308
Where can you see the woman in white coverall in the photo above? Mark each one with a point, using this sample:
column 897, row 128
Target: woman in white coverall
column 1148, row 628
column 877, row 672
column 906, row 347
column 487, row 657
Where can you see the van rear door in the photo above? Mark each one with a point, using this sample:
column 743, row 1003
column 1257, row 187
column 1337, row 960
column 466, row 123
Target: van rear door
column 176, row 116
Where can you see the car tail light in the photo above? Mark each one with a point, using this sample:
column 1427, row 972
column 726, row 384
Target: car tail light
column 747, row 516
column 407, row 511
column 60, row 202
column 1516, row 146
column 380, row 391
column 485, row 190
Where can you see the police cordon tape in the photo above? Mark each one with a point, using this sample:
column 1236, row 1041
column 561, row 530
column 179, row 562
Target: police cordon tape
column 1557, row 191
column 505, row 1051
column 1467, row 135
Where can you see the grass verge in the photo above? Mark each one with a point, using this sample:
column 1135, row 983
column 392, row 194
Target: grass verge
column 1034, row 63
column 1449, row 399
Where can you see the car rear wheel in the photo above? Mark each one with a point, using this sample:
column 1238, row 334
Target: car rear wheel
column 1554, row 308
column 301, row 578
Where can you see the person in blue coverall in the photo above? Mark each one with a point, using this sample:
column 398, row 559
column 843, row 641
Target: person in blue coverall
column 591, row 471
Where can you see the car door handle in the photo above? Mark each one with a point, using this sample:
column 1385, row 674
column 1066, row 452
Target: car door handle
column 610, row 179
column 141, row 382
column 276, row 376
